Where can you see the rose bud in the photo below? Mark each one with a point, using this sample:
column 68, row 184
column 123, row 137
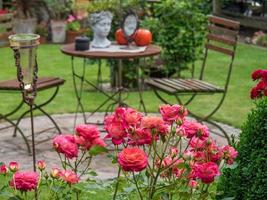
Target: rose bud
column 41, row 165
column 55, row 173
column 14, row 166
column 3, row 169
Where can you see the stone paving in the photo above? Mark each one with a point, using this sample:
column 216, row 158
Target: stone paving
column 14, row 148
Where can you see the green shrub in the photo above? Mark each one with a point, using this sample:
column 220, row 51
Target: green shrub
column 179, row 28
column 248, row 181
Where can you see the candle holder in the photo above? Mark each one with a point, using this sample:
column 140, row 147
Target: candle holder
column 25, row 49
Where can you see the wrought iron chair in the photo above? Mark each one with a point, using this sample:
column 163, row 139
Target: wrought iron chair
column 43, row 83
column 222, row 37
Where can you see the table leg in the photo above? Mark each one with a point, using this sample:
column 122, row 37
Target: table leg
column 140, row 88
column 78, row 89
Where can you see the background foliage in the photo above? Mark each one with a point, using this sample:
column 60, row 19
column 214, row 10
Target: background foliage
column 179, row 28
column 248, row 181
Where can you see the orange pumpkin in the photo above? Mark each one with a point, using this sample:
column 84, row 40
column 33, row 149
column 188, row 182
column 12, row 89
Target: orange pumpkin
column 143, row 37
column 120, row 38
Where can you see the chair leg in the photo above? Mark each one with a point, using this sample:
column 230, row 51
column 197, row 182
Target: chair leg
column 39, row 107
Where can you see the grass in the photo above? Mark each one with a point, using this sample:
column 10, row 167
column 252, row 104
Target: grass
column 53, row 63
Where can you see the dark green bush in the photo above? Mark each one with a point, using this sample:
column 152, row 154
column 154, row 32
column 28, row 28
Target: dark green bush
column 248, row 181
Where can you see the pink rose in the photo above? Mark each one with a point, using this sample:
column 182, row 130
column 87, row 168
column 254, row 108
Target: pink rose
column 132, row 159
column 99, row 142
column 197, row 143
column 140, row 137
column 192, row 129
column 151, row 122
column 192, row 183
column 207, row 172
column 66, row 145
column 14, row 166
column 171, row 113
column 69, row 176
column 132, row 117
column 229, row 154
column 155, row 124
column 3, row 169
column 24, row 181
column 116, row 131
column 174, row 152
column 88, row 132
column 41, row 165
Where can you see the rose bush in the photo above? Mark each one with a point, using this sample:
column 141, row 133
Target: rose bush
column 158, row 157
column 166, row 156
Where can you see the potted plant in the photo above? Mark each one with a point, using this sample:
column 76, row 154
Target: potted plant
column 59, row 10
column 74, row 27
column 42, row 30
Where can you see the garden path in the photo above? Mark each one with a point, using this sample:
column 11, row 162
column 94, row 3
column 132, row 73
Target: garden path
column 14, row 149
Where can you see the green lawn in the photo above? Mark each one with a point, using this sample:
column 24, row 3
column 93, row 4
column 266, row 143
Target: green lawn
column 53, row 63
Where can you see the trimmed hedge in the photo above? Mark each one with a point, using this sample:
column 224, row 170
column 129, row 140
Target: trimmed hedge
column 248, row 181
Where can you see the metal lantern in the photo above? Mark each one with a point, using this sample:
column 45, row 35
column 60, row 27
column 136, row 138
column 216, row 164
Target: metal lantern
column 25, row 49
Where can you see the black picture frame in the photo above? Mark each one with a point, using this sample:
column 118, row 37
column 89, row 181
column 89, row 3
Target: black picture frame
column 129, row 13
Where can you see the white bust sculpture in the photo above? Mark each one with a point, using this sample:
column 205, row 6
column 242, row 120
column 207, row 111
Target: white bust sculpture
column 101, row 24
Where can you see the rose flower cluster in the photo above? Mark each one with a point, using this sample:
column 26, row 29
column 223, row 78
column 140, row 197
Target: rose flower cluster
column 26, row 181
column 261, row 88
column 85, row 138
column 179, row 148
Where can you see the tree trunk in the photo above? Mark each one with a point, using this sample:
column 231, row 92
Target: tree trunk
column 216, row 7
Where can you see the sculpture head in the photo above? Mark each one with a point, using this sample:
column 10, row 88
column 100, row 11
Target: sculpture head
column 101, row 23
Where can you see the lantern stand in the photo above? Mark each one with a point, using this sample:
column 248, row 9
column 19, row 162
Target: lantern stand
column 27, row 69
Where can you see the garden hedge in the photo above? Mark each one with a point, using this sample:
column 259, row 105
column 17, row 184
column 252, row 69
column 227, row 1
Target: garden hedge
column 248, row 181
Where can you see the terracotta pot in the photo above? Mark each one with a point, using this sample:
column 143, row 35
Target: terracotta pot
column 71, row 35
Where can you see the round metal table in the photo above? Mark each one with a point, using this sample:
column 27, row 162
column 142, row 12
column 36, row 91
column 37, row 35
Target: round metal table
column 69, row 49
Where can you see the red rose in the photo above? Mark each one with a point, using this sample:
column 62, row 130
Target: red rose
column 3, row 169
column 259, row 73
column 88, row 132
column 192, row 129
column 155, row 123
column 25, row 181
column 66, row 144
column 132, row 159
column 132, row 117
column 116, row 131
column 207, row 172
column 69, row 176
column 99, row 142
column 140, row 137
column 172, row 113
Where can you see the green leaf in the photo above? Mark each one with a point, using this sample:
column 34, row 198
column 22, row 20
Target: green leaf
column 181, row 166
column 96, row 149
column 92, row 173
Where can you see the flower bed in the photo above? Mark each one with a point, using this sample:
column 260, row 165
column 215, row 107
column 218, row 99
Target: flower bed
column 157, row 157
